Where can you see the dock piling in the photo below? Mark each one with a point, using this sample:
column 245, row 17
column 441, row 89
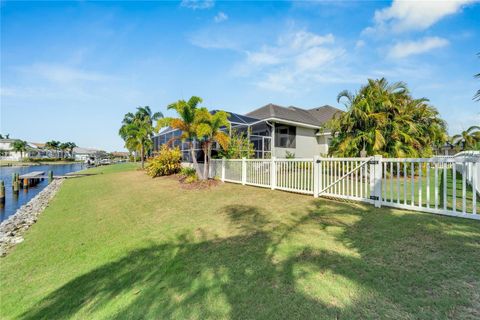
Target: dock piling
column 2, row 192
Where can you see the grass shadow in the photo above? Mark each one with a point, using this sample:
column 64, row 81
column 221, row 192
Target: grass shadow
column 400, row 265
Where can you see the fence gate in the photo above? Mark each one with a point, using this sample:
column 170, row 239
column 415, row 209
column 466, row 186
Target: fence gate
column 442, row 185
column 347, row 178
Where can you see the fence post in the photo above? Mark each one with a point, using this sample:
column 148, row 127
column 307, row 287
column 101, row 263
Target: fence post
column 244, row 171
column 475, row 185
column 223, row 169
column 316, row 176
column 376, row 180
column 273, row 173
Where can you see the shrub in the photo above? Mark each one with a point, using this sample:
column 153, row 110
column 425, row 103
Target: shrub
column 190, row 179
column 239, row 146
column 289, row 155
column 189, row 175
column 167, row 162
column 188, row 172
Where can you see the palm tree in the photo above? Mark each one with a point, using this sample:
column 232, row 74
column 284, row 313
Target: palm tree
column 20, row 146
column 137, row 130
column 71, row 146
column 63, row 147
column 186, row 123
column 384, row 119
column 53, row 145
column 467, row 139
column 209, row 131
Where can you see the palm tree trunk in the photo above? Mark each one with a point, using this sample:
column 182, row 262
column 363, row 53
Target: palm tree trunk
column 205, row 160
column 209, row 158
column 194, row 160
column 143, row 155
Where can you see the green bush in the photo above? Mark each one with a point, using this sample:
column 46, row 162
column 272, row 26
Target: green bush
column 190, row 179
column 167, row 162
column 289, row 155
column 188, row 172
column 239, row 146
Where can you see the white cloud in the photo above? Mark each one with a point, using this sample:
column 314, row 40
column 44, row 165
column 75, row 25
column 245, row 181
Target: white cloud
column 301, row 40
column 220, row 17
column 297, row 57
column 297, row 61
column 263, row 57
column 408, row 48
column 62, row 73
column 303, row 49
column 360, row 44
column 316, row 57
column 404, row 15
column 197, row 4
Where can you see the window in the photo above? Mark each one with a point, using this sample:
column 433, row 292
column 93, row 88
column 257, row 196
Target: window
column 285, row 136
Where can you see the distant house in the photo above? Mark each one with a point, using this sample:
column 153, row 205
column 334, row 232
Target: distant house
column 274, row 131
column 7, row 152
column 82, row 154
column 120, row 154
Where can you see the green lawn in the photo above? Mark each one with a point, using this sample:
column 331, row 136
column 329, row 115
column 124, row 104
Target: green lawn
column 122, row 245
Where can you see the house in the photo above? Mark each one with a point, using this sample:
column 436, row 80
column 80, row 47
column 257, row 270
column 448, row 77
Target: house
column 295, row 130
column 83, row 154
column 7, row 152
column 274, row 131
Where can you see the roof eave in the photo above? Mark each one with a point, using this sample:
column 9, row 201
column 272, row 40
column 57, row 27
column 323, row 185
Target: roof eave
column 295, row 123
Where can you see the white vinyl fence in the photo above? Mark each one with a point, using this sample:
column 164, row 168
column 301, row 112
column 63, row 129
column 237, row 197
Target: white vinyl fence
column 442, row 185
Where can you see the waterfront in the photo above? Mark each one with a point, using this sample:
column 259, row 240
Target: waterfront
column 13, row 201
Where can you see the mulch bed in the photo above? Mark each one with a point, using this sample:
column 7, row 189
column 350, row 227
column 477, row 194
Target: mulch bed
column 198, row 185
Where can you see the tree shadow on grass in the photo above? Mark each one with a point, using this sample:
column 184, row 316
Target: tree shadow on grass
column 404, row 266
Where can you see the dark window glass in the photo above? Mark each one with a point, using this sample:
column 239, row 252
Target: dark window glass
column 285, row 136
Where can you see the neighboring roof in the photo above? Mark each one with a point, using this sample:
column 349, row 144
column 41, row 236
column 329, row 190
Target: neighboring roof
column 8, row 140
column 119, row 154
column 38, row 145
column 79, row 150
column 316, row 116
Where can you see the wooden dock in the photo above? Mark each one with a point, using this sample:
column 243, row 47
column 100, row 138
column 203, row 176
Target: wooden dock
column 42, row 175
column 33, row 175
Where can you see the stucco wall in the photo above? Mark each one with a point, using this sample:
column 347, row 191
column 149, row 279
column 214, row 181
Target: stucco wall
column 12, row 155
column 307, row 145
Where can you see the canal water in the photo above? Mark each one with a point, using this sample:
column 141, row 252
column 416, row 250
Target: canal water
column 13, row 201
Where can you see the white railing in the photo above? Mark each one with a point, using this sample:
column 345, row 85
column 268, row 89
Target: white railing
column 427, row 184
column 347, row 178
column 435, row 185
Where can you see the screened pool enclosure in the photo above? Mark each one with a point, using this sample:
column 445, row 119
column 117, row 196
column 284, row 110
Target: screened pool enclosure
column 259, row 132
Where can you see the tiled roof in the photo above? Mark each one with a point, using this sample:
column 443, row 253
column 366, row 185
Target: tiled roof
column 316, row 116
column 324, row 113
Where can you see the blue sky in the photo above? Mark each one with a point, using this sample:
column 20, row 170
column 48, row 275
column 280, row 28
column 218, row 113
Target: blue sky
column 71, row 70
